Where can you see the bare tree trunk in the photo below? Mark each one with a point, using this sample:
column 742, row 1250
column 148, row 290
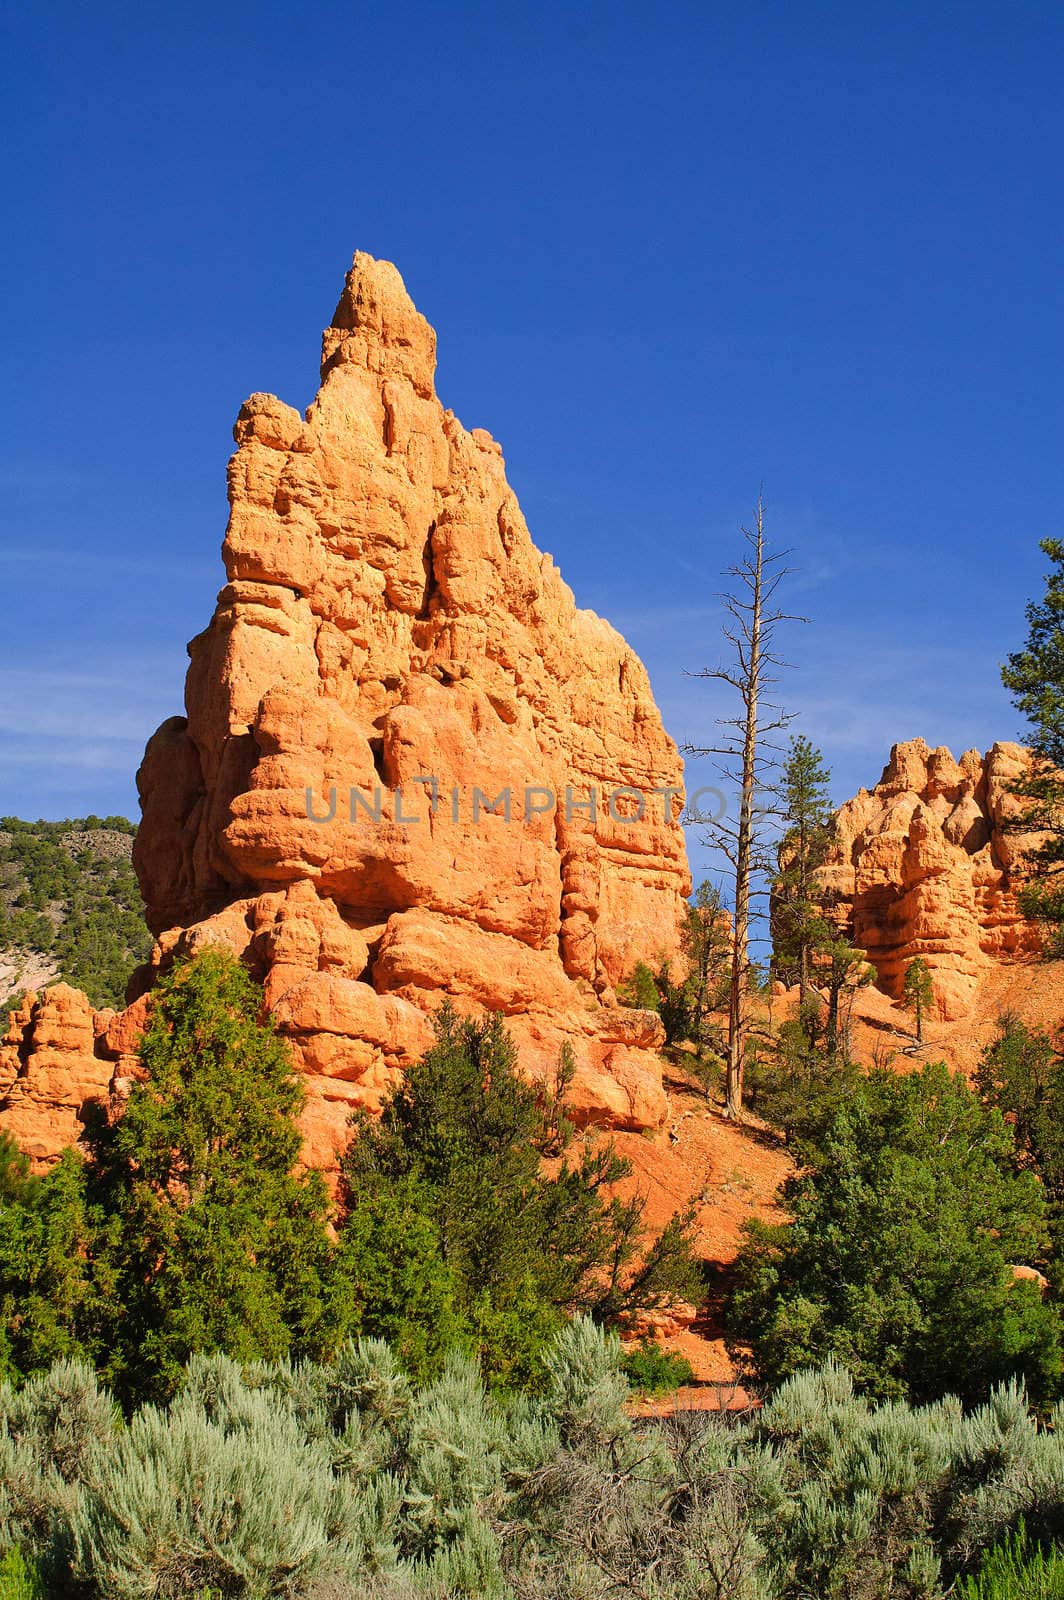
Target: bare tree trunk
column 750, row 629
column 831, row 1032
column 803, row 901
column 738, row 1008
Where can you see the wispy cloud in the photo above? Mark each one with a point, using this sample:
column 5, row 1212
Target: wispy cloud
column 72, row 739
column 58, row 757
column 92, row 563
column 75, row 706
column 856, row 701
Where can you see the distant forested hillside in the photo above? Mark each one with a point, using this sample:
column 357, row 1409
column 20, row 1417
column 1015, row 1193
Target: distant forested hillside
column 70, row 907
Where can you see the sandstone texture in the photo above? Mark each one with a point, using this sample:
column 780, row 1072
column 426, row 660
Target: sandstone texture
column 924, row 865
column 411, row 767
column 61, row 1062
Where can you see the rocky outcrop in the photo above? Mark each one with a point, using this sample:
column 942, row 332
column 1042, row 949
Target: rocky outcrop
column 411, row 767
column 925, row 865
column 61, row 1062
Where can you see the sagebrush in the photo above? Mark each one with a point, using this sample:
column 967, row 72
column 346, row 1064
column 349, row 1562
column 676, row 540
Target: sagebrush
column 331, row 1482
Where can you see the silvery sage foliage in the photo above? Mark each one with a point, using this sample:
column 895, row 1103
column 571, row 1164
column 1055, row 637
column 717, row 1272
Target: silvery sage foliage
column 313, row 1482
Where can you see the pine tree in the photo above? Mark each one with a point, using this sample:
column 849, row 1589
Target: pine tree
column 392, row 1281
column 809, row 943
column 845, row 970
column 1035, row 678
column 56, row 1295
column 1022, row 1074
column 705, row 941
column 798, row 926
column 640, row 989
column 798, row 1085
column 686, row 1003
column 220, row 1243
column 918, row 992
column 904, row 1223
column 458, row 1151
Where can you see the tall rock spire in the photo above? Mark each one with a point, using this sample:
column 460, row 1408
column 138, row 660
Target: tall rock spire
column 389, row 627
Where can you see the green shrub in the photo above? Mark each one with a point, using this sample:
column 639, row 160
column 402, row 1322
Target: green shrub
column 19, row 1578
column 243, row 1503
column 65, row 1417
column 586, row 1388
column 653, row 1371
column 454, row 1450
column 54, row 1434
column 447, row 1205
column 897, row 1256
column 323, row 1482
column 1016, row 1569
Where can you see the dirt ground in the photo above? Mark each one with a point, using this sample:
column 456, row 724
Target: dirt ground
column 729, row 1172
column 24, row 970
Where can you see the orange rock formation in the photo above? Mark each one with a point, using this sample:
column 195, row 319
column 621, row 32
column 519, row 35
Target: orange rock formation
column 390, row 645
column 924, row 866
column 58, row 1060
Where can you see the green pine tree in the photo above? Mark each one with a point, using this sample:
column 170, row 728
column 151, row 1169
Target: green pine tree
column 797, row 1084
column 918, row 992
column 221, row 1243
column 686, row 1002
column 905, row 1222
column 1035, row 678
column 809, row 945
column 640, row 989
column 56, row 1296
column 456, row 1158
column 845, row 970
column 1022, row 1074
column 705, row 939
column 798, row 925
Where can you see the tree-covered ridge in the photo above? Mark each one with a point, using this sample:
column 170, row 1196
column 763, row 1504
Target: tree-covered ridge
column 68, row 893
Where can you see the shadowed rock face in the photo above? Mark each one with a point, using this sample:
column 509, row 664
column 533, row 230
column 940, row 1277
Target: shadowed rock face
column 388, row 620
column 924, row 866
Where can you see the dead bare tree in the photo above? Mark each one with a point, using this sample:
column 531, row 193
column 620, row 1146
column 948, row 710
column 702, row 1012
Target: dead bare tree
column 743, row 840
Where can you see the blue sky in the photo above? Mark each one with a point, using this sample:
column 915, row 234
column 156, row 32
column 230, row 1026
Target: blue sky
column 671, row 253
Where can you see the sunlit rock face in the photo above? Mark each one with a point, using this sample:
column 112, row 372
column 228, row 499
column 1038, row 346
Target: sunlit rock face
column 388, row 626
column 61, row 1063
column 926, row 865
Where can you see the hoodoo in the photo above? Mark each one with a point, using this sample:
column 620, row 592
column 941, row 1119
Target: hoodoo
column 411, row 767
column 925, row 864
